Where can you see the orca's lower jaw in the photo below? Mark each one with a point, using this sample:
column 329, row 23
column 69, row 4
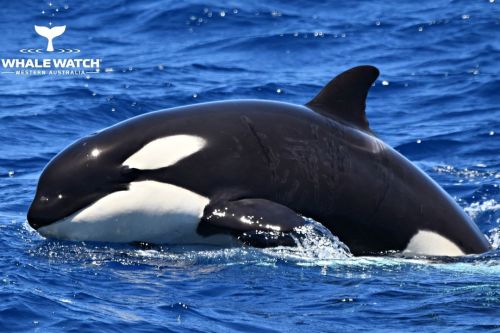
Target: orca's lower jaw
column 38, row 220
column 42, row 215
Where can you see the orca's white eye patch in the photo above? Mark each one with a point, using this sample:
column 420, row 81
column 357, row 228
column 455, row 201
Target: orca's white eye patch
column 165, row 152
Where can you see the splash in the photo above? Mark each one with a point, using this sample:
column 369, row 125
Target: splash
column 494, row 238
column 477, row 208
column 314, row 243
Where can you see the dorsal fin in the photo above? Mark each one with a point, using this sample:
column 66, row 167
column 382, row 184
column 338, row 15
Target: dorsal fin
column 344, row 97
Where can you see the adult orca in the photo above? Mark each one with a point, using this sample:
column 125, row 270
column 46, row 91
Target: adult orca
column 237, row 171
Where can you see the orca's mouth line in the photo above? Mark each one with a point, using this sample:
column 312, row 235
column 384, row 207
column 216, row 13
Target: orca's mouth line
column 38, row 226
column 66, row 218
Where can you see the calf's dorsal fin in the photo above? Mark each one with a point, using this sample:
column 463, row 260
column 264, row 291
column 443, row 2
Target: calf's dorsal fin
column 344, row 97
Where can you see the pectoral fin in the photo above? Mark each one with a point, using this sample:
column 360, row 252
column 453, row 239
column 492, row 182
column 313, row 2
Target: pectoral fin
column 256, row 222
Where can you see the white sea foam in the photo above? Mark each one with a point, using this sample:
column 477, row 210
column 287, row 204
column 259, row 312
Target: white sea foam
column 314, row 243
column 494, row 237
column 476, row 208
column 468, row 173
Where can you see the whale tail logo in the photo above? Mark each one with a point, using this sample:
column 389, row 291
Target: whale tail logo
column 50, row 34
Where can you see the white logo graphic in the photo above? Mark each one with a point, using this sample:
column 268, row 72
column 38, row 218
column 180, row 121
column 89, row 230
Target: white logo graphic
column 59, row 60
column 50, row 34
column 37, row 64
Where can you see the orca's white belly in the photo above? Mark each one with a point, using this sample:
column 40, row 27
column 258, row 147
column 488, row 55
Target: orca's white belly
column 149, row 211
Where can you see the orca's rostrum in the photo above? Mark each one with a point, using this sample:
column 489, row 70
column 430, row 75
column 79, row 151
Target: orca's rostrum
column 229, row 172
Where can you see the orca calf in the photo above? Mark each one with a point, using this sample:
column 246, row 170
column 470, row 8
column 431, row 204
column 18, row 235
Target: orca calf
column 237, row 171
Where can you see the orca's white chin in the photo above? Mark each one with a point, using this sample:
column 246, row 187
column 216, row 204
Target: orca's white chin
column 149, row 211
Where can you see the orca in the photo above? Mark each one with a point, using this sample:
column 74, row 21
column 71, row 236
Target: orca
column 237, row 171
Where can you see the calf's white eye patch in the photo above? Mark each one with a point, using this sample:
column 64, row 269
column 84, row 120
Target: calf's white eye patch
column 165, row 152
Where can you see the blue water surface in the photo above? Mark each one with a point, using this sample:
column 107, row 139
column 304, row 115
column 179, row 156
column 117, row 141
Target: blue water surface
column 436, row 101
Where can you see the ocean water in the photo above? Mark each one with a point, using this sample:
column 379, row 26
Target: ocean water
column 436, row 101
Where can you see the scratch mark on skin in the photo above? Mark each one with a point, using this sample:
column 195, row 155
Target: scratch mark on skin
column 272, row 160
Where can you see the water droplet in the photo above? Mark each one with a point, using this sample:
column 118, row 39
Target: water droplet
column 161, row 67
column 420, row 29
column 11, row 174
column 465, row 17
column 377, row 23
column 492, row 133
column 113, row 109
column 235, row 11
column 278, row 91
column 419, row 141
column 385, row 83
column 222, row 13
column 195, row 95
